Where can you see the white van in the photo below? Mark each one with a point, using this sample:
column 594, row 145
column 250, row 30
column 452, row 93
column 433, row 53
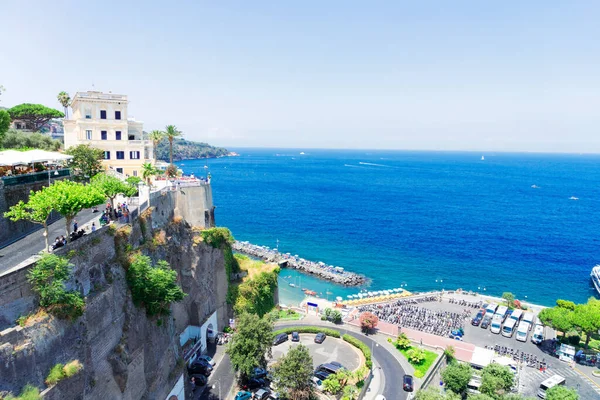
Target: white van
column 496, row 325
column 490, row 310
column 538, row 334
column 474, row 385
column 516, row 315
column 550, row 383
column 509, row 327
column 523, row 331
column 502, row 310
column 528, row 317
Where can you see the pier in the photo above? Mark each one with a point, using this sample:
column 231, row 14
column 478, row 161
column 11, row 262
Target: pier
column 329, row 272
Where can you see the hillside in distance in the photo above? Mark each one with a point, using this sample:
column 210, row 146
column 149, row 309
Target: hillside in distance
column 186, row 149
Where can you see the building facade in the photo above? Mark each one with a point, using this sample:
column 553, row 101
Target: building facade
column 101, row 120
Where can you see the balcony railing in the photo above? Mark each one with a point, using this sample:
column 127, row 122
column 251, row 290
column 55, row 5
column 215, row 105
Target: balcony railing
column 35, row 177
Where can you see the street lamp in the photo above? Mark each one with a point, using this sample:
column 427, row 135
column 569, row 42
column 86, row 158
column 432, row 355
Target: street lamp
column 219, row 383
column 55, row 174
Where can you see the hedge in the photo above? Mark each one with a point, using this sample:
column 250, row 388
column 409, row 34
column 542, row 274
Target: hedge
column 309, row 329
column 359, row 344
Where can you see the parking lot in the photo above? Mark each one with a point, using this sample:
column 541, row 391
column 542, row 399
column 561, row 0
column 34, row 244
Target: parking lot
column 331, row 349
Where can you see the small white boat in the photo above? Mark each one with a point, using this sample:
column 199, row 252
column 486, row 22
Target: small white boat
column 292, row 285
column 482, row 158
column 595, row 275
column 535, row 186
column 301, row 153
column 573, row 198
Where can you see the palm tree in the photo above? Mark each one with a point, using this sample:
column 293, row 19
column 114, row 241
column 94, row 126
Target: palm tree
column 148, row 171
column 156, row 136
column 64, row 99
column 171, row 133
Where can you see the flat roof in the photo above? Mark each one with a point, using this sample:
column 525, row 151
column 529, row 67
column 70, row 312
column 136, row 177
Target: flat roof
column 482, row 357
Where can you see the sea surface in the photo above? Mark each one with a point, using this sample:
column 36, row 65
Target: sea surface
column 420, row 220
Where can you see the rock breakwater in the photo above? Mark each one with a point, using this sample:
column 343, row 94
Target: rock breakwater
column 329, row 272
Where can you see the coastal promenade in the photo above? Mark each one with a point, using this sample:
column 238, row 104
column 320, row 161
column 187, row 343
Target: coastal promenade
column 321, row 270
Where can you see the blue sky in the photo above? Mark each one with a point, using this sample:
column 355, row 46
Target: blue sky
column 444, row 75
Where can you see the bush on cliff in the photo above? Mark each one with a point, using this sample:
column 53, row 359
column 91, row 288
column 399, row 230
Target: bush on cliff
column 47, row 279
column 29, row 392
column 255, row 296
column 154, row 287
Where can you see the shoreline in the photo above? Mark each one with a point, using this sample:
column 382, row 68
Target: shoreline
column 322, row 271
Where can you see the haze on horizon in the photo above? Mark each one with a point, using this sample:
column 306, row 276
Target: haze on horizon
column 464, row 75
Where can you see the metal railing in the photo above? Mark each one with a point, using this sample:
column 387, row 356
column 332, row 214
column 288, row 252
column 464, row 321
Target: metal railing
column 35, row 177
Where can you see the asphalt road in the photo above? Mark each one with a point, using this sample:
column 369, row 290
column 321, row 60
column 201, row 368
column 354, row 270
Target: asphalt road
column 391, row 368
column 222, row 378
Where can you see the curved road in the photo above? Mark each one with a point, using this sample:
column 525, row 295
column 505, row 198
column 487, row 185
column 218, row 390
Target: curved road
column 390, row 367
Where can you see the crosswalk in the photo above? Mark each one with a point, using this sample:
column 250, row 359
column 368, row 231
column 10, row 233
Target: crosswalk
column 531, row 378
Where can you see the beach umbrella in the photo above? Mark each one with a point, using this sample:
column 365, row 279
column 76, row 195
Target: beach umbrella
column 349, row 296
column 360, row 295
column 339, row 298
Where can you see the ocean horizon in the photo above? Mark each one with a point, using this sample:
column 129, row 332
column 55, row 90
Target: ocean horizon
column 425, row 220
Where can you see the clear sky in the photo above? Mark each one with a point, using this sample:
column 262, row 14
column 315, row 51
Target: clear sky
column 444, row 75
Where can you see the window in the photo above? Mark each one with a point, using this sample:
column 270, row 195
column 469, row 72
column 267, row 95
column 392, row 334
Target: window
column 135, row 173
column 134, row 155
column 120, row 155
column 119, row 170
column 130, row 137
column 118, row 135
column 88, row 135
column 103, row 134
column 88, row 113
column 117, row 114
column 102, row 114
column 107, row 155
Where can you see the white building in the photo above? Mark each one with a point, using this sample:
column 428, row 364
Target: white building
column 102, row 121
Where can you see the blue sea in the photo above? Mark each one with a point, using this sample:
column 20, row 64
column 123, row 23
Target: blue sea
column 420, row 220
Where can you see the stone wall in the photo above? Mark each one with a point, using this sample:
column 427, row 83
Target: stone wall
column 126, row 355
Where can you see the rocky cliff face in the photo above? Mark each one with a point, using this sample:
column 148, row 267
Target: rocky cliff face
column 125, row 354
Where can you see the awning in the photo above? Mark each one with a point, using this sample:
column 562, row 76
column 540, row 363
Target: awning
column 13, row 157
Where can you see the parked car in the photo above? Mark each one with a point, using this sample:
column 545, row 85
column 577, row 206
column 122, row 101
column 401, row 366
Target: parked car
column 282, row 337
column 477, row 319
column 407, row 383
column 273, row 396
column 199, row 368
column 259, row 373
column 337, row 364
column 317, row 383
column 261, row 394
column 243, row 395
column 199, row 379
column 330, row 367
column 485, row 323
column 207, row 359
column 322, row 375
column 295, row 337
column 254, row 383
column 320, row 338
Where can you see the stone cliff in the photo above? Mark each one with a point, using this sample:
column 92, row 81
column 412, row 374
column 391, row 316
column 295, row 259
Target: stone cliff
column 125, row 354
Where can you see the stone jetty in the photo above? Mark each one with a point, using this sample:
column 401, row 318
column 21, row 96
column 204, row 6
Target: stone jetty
column 335, row 274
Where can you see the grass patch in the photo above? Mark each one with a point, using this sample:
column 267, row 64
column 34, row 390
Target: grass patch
column 72, row 368
column 421, row 368
column 289, row 315
column 55, row 375
column 253, row 267
column 29, row 392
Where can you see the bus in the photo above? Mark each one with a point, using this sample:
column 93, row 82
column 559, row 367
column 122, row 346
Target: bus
column 550, row 383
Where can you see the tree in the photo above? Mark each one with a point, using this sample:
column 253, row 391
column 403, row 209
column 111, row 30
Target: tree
column 15, row 139
column 293, row 372
column 36, row 115
column 157, row 136
column 38, row 208
column 111, row 187
column 71, row 197
column 496, row 380
column 569, row 305
column 432, row 393
column 350, row 392
column 449, row 352
column 4, row 123
column 509, row 297
column 65, row 100
column 86, row 160
column 368, row 321
column 332, row 385
column 587, row 318
column 479, row 396
column 148, row 171
column 134, row 181
column 250, row 343
column 561, row 393
column 336, row 316
column 559, row 318
column 154, row 287
column 416, row 355
column 171, row 133
column 456, row 377
column 403, row 342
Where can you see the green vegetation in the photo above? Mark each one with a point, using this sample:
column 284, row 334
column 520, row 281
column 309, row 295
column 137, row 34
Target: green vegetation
column 510, row 299
column 148, row 171
column 368, row 321
column 60, row 372
column 289, row 314
column 341, row 382
column 65, row 100
column 134, row 181
column 449, row 353
column 496, row 380
column 255, row 295
column 566, row 316
column 432, row 393
column 250, row 343
column 186, row 149
column 308, row 329
column 156, row 136
column 154, row 287
column 34, row 115
column 292, row 373
column 15, row 139
column 4, row 124
column 37, row 210
column 111, row 187
column 86, row 161
column 334, row 316
column 29, row 392
column 359, row 344
column 561, row 393
column 171, row 132
column 456, row 377
column 47, row 279
column 419, row 358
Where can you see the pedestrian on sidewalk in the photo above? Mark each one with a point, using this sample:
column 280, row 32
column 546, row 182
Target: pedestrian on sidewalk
column 74, row 225
column 93, row 227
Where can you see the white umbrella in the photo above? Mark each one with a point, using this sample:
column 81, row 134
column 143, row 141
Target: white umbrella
column 11, row 157
column 339, row 298
column 349, row 296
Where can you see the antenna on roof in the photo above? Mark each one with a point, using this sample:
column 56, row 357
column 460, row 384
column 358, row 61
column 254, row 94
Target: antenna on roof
column 93, row 86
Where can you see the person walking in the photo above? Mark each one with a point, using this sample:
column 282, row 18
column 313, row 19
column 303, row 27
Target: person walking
column 75, row 225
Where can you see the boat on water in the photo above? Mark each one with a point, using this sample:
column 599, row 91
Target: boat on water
column 535, row 186
column 482, row 158
column 595, row 275
column 301, row 153
column 310, row 292
column 292, row 285
column 573, row 198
